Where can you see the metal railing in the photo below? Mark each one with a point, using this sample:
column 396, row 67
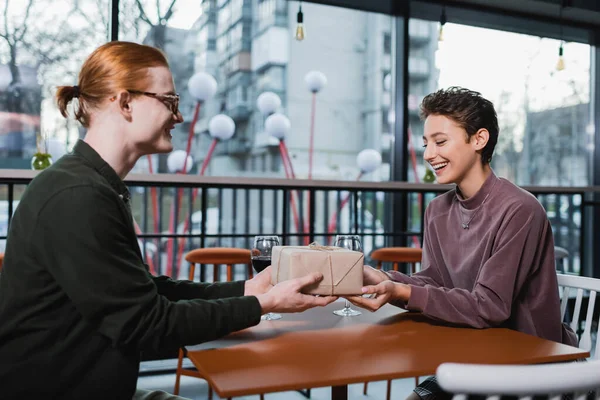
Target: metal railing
column 224, row 211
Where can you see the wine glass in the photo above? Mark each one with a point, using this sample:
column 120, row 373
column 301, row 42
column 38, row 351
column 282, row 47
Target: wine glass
column 350, row 242
column 261, row 259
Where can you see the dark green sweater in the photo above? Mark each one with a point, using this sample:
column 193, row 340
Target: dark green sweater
column 77, row 303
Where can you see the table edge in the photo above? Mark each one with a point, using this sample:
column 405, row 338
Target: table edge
column 381, row 377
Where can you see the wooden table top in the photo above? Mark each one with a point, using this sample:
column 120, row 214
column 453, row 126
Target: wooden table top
column 317, row 349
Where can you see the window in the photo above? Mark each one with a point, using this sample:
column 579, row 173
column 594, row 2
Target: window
column 224, row 19
column 544, row 114
column 387, row 43
column 237, row 7
column 60, row 34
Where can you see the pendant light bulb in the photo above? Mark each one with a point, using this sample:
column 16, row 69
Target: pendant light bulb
column 560, row 64
column 300, row 27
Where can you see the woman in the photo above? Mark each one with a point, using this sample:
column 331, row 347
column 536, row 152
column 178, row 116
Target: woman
column 77, row 303
column 488, row 249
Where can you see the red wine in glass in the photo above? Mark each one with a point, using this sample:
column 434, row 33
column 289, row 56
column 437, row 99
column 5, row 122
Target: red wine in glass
column 260, row 263
column 261, row 259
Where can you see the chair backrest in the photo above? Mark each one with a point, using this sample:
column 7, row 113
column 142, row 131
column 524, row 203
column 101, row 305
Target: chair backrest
column 219, row 255
column 397, row 254
column 576, row 287
column 561, row 256
column 523, row 381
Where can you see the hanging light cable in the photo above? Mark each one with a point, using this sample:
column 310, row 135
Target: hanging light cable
column 443, row 21
column 560, row 64
column 300, row 21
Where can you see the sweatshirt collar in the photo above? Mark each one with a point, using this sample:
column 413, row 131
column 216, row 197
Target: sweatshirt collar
column 482, row 194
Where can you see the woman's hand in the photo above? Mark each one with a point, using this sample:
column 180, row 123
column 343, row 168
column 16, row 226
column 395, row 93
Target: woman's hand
column 380, row 294
column 372, row 276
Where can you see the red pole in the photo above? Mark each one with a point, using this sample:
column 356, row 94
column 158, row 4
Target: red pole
column 211, row 150
column 312, row 134
column 289, row 160
column 294, row 194
column 333, row 221
column 285, row 160
column 186, row 223
column 149, row 259
column 311, row 150
column 154, row 196
column 172, row 223
column 191, row 135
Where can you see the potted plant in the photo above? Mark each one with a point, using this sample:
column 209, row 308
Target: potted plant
column 41, row 159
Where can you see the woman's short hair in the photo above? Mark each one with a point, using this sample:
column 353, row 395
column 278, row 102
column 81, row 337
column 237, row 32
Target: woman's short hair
column 467, row 108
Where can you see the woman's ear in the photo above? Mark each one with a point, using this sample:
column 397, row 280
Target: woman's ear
column 480, row 139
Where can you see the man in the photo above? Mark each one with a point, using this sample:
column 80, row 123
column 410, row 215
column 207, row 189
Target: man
column 488, row 250
column 77, row 302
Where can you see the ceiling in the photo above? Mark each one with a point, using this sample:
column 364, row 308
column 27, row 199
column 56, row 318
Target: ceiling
column 580, row 13
column 576, row 12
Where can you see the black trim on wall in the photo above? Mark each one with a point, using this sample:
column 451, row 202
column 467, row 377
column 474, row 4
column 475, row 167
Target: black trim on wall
column 580, row 14
column 113, row 13
column 400, row 149
column 400, row 152
column 595, row 114
column 501, row 20
column 391, row 7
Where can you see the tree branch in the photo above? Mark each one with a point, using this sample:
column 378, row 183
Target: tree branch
column 170, row 11
column 23, row 31
column 143, row 15
column 7, row 36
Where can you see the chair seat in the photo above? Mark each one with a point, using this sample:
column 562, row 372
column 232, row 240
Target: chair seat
column 219, row 255
column 397, row 254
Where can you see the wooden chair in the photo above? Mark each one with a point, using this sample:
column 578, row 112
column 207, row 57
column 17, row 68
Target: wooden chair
column 522, row 381
column 1, row 260
column 396, row 255
column 561, row 256
column 580, row 286
column 216, row 256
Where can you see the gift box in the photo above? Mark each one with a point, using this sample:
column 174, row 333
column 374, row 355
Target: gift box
column 342, row 269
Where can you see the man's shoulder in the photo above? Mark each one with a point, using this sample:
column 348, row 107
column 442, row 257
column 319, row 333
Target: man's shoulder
column 67, row 175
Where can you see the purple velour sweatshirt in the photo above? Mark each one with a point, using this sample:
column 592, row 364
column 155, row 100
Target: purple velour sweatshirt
column 498, row 272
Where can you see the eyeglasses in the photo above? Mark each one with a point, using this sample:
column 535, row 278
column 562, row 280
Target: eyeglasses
column 169, row 100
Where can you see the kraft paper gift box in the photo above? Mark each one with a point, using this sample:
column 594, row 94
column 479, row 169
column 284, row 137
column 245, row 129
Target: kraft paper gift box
column 342, row 269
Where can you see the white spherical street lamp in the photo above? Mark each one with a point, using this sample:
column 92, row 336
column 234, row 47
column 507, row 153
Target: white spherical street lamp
column 268, row 103
column 315, row 81
column 278, row 126
column 368, row 160
column 176, row 160
column 221, row 127
column 202, row 86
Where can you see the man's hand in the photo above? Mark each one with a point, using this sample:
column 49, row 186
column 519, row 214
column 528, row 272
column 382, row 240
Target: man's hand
column 381, row 294
column 260, row 284
column 286, row 296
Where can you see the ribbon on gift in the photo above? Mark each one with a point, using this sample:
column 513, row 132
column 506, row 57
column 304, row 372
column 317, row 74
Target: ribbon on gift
column 317, row 246
column 313, row 246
